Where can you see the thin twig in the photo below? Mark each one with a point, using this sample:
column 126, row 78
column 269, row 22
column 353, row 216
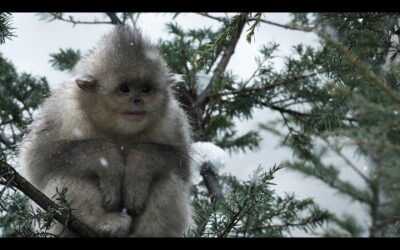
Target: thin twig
column 205, row 14
column 305, row 29
column 75, row 22
column 264, row 87
column 349, row 163
column 255, row 72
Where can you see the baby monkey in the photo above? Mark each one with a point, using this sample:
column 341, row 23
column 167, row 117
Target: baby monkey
column 117, row 138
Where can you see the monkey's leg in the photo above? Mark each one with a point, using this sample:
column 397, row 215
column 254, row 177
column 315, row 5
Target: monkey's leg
column 85, row 201
column 167, row 212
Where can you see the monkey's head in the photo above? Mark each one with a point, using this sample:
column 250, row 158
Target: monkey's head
column 124, row 84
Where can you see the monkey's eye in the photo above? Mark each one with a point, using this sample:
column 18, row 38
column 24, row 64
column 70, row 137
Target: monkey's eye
column 124, row 88
column 146, row 89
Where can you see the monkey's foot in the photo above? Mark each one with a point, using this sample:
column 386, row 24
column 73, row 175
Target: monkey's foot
column 135, row 204
column 115, row 225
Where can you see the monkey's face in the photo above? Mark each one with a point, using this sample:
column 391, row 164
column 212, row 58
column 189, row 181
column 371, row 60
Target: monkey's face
column 127, row 105
column 138, row 101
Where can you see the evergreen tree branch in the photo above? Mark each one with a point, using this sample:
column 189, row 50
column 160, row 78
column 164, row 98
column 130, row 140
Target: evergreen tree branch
column 64, row 217
column 265, row 87
column 324, row 174
column 238, row 23
column 5, row 27
column 362, row 68
column 291, row 27
column 347, row 160
column 376, row 143
column 286, row 111
column 222, row 64
column 232, row 223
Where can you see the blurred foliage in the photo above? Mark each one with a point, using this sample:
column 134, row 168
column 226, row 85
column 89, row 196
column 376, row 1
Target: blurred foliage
column 352, row 102
column 65, row 59
column 5, row 27
column 20, row 95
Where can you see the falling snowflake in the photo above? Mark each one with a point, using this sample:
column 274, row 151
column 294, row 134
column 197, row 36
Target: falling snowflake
column 78, row 132
column 103, row 162
column 151, row 54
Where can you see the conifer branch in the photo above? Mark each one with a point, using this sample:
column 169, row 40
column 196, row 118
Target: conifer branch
column 364, row 69
column 223, row 63
column 10, row 175
column 265, row 87
column 349, row 163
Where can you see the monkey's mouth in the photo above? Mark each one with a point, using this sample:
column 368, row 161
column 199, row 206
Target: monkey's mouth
column 133, row 115
column 133, row 112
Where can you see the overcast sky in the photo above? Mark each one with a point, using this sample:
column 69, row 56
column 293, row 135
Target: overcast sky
column 36, row 39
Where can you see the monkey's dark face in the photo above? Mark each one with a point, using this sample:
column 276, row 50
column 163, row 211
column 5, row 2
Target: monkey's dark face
column 127, row 105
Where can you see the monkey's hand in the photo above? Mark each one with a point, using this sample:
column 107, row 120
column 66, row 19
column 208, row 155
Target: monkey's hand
column 108, row 173
column 146, row 165
column 114, row 225
column 140, row 172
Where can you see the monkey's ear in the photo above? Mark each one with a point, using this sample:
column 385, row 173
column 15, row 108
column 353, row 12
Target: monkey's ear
column 86, row 81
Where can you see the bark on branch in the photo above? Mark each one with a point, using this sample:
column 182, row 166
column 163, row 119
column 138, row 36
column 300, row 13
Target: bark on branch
column 5, row 140
column 223, row 63
column 114, row 18
column 211, row 181
column 64, row 217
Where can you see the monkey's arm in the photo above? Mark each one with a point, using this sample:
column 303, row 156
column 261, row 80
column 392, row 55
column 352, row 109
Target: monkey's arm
column 155, row 190
column 92, row 172
column 147, row 164
column 168, row 210
column 93, row 160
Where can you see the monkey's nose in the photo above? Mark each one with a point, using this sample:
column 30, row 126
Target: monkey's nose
column 136, row 101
